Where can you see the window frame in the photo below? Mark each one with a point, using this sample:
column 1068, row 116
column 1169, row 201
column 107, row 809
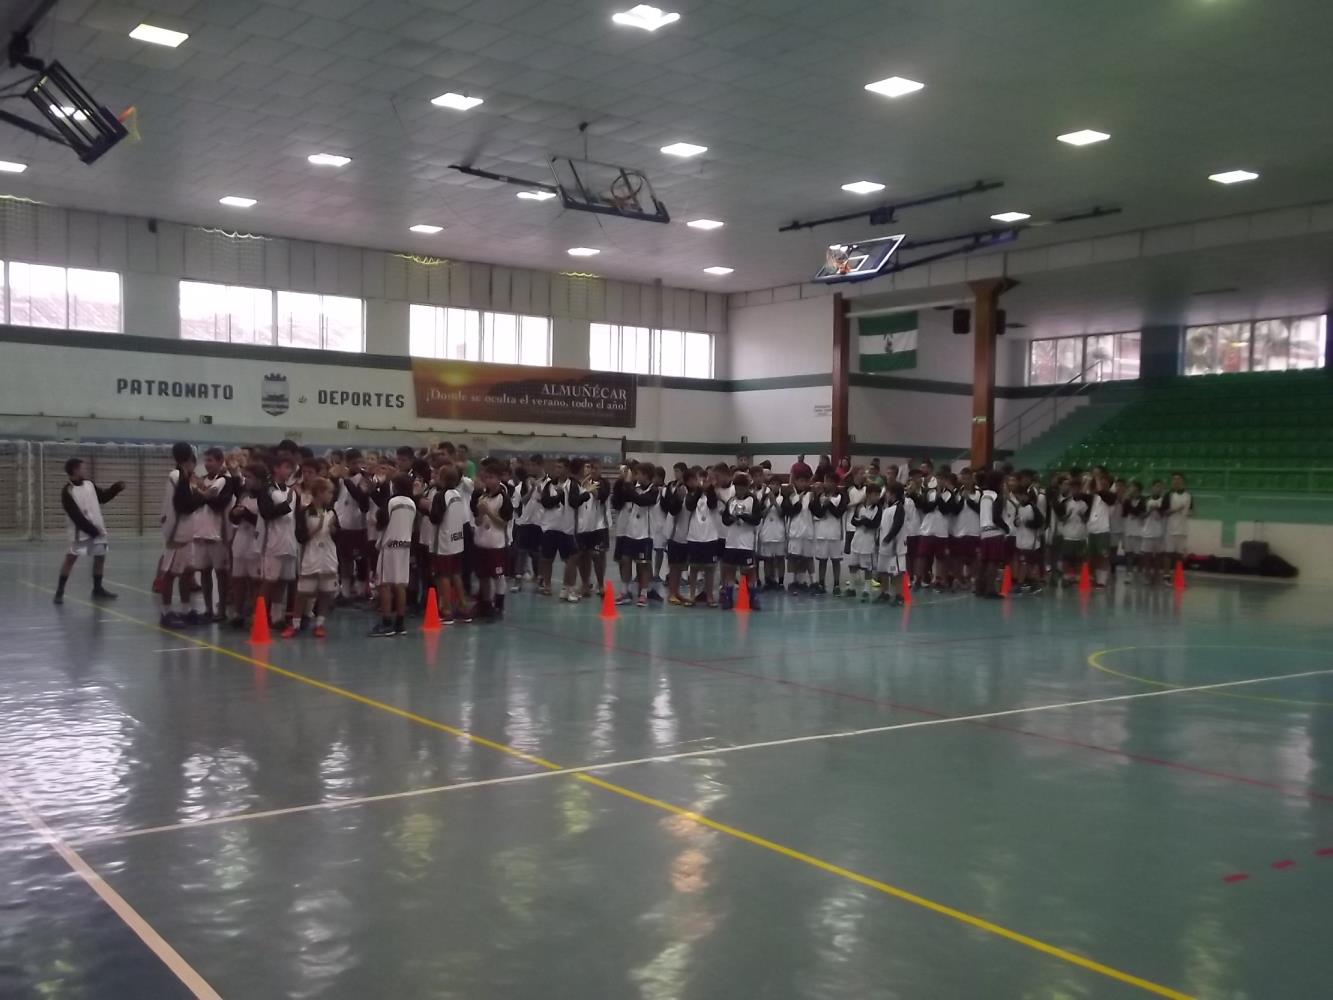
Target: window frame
column 236, row 299
column 478, row 334
column 7, row 296
column 1251, row 339
column 1084, row 375
column 658, row 339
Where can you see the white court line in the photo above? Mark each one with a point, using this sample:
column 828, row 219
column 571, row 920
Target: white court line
column 689, row 754
column 171, row 958
column 178, row 649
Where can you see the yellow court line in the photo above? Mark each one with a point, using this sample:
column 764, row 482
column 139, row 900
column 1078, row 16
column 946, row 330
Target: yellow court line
column 1095, row 661
column 968, row 919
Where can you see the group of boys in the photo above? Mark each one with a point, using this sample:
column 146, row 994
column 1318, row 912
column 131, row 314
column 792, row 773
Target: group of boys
column 305, row 532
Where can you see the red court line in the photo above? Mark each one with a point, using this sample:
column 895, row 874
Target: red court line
column 932, row 713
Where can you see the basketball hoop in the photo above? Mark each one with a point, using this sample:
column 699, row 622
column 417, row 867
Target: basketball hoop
column 838, row 260
column 624, row 193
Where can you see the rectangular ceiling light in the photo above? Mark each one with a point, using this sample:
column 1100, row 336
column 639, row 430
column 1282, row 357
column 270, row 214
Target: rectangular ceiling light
column 645, row 17
column 459, row 102
column 158, row 36
column 704, row 224
column 536, row 195
column 1234, row 176
column 329, row 160
column 1011, row 217
column 582, row 252
column 894, row 86
column 684, row 149
column 10, row 167
column 1083, row 137
column 236, row 201
column 718, row 270
column 863, row 187
column 425, row 228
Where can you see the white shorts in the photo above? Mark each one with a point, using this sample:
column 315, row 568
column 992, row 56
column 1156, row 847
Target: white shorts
column 828, row 548
column 323, row 583
column 1133, row 543
column 862, row 560
column 772, row 550
column 176, row 560
column 394, row 566
column 891, row 562
column 95, row 547
column 1151, row 545
column 246, row 567
column 1177, row 544
column 659, row 542
column 277, row 568
column 209, row 554
column 800, row 548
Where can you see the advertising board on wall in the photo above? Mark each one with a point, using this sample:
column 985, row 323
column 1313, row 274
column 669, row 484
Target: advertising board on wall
column 463, row 390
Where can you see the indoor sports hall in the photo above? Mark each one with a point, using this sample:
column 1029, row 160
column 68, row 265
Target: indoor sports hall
column 568, row 499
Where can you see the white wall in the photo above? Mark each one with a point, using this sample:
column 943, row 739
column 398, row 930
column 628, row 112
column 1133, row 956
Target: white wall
column 781, row 338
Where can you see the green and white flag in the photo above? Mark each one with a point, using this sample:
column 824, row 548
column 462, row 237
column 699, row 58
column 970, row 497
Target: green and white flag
column 887, row 343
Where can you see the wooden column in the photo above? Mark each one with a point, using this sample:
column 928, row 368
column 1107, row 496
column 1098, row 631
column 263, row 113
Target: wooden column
column 842, row 359
column 985, row 334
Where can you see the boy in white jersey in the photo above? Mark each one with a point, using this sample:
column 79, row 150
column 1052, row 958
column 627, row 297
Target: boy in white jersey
column 1101, row 501
column 491, row 511
column 1132, row 509
column 637, row 498
column 1154, row 533
column 1029, row 529
column 246, row 574
column 772, row 547
column 1072, row 511
column 82, row 501
column 211, row 555
column 558, row 530
column 590, row 494
column 678, row 542
column 702, row 535
column 891, row 557
column 994, row 535
column 447, row 514
column 316, row 529
column 394, row 567
column 528, row 522
column 1178, row 510
column 829, row 507
column 965, row 531
column 741, row 519
column 865, row 537
column 278, row 548
column 796, row 504
column 179, row 502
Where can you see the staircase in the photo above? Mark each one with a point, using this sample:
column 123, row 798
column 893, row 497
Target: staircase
column 1081, row 423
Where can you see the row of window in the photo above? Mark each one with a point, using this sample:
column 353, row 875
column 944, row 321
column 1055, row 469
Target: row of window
column 1262, row 345
column 61, row 298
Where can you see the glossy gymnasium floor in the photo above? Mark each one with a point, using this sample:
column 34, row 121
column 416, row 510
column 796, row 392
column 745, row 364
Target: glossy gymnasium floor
column 1054, row 798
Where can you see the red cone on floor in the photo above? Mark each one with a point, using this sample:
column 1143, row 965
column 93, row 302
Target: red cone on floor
column 743, row 597
column 907, row 592
column 1084, row 580
column 609, row 612
column 259, row 624
column 431, row 623
column 1178, row 579
column 1007, row 582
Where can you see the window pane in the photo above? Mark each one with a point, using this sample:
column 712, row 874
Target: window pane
column 1100, row 363
column 203, row 310
column 37, row 296
column 600, row 347
column 1068, row 359
column 1128, row 349
column 94, row 300
column 1041, row 363
column 671, row 352
column 1200, row 350
column 249, row 315
column 698, row 355
column 344, row 323
column 1233, row 347
column 503, row 347
column 1307, row 339
column 1272, row 338
column 423, row 332
column 298, row 320
column 636, row 347
column 535, row 333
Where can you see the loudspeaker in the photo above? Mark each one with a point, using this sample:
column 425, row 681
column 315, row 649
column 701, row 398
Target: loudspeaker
column 1001, row 322
column 962, row 321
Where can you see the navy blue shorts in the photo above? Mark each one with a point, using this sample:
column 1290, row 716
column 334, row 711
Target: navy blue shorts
column 703, row 553
column 678, row 553
column 742, row 558
column 592, row 541
column 527, row 537
column 634, row 549
column 557, row 543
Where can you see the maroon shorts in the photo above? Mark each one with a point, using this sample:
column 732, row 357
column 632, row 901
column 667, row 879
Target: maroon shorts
column 993, row 548
column 351, row 545
column 489, row 562
column 448, row 565
column 913, row 547
column 1010, row 547
column 931, row 547
column 964, row 548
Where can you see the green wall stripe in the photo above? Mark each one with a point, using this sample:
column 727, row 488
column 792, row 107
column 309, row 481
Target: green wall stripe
column 888, row 362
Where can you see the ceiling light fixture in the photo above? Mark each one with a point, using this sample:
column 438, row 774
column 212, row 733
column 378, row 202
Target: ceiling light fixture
column 1083, row 137
column 536, row 195
column 684, row 149
column 645, row 17
column 1234, row 176
column 718, row 270
column 1011, row 217
column 237, row 201
column 582, row 252
column 158, row 36
column 329, row 160
column 425, row 229
column 459, row 102
column 65, row 111
column 894, row 86
column 10, row 167
column 705, row 224
column 863, row 187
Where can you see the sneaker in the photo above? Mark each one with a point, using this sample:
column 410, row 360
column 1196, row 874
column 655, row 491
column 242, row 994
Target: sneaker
column 655, row 597
column 865, row 597
column 383, row 631
column 564, row 594
column 754, row 603
column 515, row 587
column 289, row 632
column 642, row 601
column 624, row 600
column 794, row 590
column 400, row 629
column 58, row 599
column 883, row 599
column 726, row 599
column 193, row 620
column 102, row 594
column 818, row 590
column 171, row 620
column 319, row 632
column 677, row 601
column 572, row 597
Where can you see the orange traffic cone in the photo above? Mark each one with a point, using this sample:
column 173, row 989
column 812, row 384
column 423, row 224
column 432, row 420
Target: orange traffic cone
column 259, row 624
column 1007, row 582
column 431, row 623
column 1084, row 580
column 743, row 598
column 1178, row 579
column 907, row 592
column 609, row 612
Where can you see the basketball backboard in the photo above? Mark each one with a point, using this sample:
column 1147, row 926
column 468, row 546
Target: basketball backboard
column 857, row 261
column 606, row 189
